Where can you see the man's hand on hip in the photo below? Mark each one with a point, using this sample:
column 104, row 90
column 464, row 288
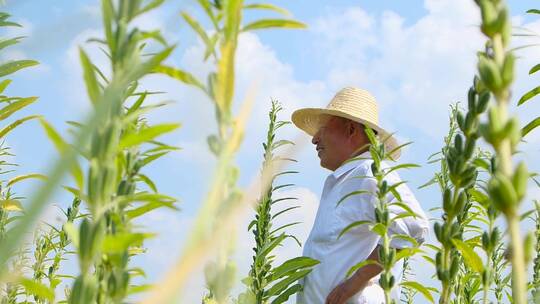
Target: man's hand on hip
column 341, row 293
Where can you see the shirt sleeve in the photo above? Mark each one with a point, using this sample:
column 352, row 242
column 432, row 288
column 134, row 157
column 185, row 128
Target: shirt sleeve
column 416, row 227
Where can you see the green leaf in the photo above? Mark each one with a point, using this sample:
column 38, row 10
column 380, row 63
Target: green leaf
column 270, row 7
column 420, row 288
column 478, row 196
column 401, row 166
column 272, row 244
column 406, row 238
column 527, row 96
column 284, row 296
column 273, row 23
column 283, row 227
column 4, row 84
column 146, row 134
column 7, row 42
column 210, row 45
column 406, row 208
column 137, row 272
column 292, row 265
column 15, row 106
column 19, row 178
column 14, row 66
column 92, row 85
column 530, row 126
column 359, row 192
column 150, row 6
column 11, row 205
column 379, row 229
column 72, row 232
column 354, row 268
column 533, row 11
column 148, row 66
column 283, row 284
column 534, row 69
column 407, row 252
column 15, row 124
column 351, row 226
column 133, row 289
column 284, row 211
column 180, row 75
column 146, row 197
column 133, row 213
column 469, row 255
column 37, row 289
column 145, row 179
column 152, row 157
column 62, row 146
column 120, row 242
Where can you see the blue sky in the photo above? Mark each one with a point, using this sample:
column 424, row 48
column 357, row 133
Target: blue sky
column 416, row 57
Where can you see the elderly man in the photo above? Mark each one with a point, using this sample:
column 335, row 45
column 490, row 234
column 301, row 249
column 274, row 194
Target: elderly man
column 338, row 134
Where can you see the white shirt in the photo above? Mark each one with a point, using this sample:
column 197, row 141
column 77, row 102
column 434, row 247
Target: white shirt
column 337, row 256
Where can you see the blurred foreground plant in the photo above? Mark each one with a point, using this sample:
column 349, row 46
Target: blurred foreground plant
column 508, row 184
column 221, row 45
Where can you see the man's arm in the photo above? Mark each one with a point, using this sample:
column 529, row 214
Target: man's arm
column 357, row 282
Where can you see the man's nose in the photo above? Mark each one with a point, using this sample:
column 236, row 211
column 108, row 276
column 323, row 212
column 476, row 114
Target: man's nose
column 315, row 139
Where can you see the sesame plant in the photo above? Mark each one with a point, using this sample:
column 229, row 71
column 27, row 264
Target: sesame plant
column 104, row 126
column 51, row 248
column 475, row 221
column 457, row 176
column 407, row 275
column 106, row 240
column 388, row 208
column 268, row 283
column 14, row 262
column 508, row 184
column 535, row 283
column 221, row 43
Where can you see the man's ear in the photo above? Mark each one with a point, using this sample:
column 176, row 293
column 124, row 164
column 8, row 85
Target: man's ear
column 351, row 128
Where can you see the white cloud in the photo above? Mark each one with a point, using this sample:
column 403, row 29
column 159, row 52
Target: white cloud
column 415, row 70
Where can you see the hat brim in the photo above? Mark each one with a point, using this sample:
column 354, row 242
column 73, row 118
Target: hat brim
column 308, row 120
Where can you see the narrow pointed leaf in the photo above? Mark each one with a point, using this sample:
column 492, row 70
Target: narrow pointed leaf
column 14, row 66
column 92, row 85
column 180, row 75
column 4, row 131
column 15, row 106
column 420, row 288
column 529, row 95
column 351, row 226
column 266, row 6
column 471, row 258
column 530, row 126
column 19, row 178
column 273, row 23
column 146, row 135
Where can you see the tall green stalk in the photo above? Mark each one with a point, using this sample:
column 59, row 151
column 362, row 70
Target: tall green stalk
column 535, row 284
column 507, row 186
column 221, row 45
column 267, row 283
column 106, row 240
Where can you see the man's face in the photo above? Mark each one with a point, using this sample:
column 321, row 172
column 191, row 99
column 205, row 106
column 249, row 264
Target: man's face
column 331, row 142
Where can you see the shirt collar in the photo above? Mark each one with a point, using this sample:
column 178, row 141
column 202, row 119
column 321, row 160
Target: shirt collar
column 350, row 164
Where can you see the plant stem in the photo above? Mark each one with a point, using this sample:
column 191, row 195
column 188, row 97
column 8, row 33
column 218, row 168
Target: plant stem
column 519, row 282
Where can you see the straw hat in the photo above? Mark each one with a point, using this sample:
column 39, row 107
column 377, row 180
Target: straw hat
column 351, row 103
